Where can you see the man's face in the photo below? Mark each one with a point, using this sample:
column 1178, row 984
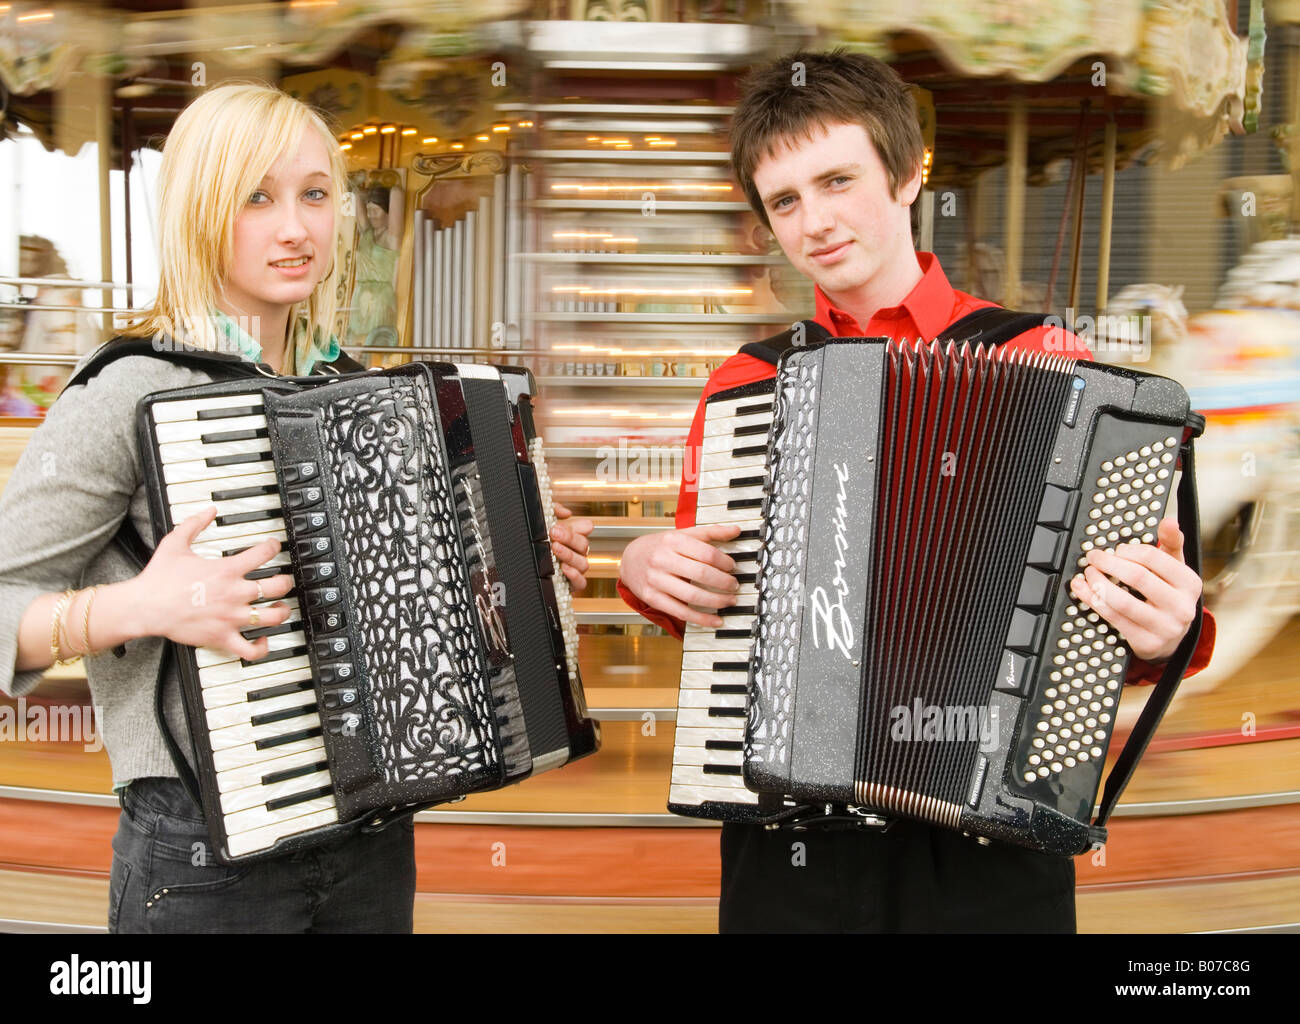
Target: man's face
column 830, row 207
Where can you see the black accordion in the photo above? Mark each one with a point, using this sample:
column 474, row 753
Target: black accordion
column 905, row 643
column 432, row 648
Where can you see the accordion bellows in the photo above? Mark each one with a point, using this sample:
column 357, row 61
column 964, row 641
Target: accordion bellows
column 915, row 649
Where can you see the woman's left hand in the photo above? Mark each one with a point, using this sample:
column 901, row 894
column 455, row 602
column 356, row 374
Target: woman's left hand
column 569, row 543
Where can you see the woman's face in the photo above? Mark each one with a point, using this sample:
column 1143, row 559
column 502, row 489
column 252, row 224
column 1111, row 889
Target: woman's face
column 377, row 216
column 284, row 235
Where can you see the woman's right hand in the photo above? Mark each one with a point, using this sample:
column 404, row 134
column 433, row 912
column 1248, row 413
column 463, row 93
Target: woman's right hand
column 205, row 602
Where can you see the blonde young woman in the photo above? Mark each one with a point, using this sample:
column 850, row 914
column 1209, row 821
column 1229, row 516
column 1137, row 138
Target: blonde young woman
column 251, row 186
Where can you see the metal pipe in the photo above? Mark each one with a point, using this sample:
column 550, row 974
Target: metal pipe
column 1017, row 147
column 1107, row 213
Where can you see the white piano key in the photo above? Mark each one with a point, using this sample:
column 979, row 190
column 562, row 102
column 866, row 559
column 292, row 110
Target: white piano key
column 197, row 451
column 195, row 430
column 703, row 697
column 729, row 425
column 237, row 691
column 189, row 408
column 235, row 506
column 249, row 754
column 235, row 671
column 695, row 775
column 720, row 461
column 206, row 657
column 724, row 477
column 239, row 735
column 702, row 661
column 267, row 836
column 255, row 796
column 699, row 754
column 259, row 817
column 198, row 470
column 740, row 647
column 202, row 490
column 722, row 495
column 214, row 549
column 693, row 796
column 242, row 712
column 252, row 773
column 727, row 408
column 743, row 545
column 699, row 718
column 697, row 737
column 702, row 680
column 728, row 443
column 238, row 530
column 722, row 514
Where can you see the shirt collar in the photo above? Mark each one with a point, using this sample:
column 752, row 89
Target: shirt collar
column 923, row 313
column 234, row 338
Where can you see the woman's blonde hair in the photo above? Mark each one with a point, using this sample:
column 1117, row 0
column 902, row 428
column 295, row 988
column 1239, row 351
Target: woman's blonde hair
column 216, row 155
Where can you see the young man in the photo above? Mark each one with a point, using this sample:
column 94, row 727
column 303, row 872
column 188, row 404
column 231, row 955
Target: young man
column 833, row 165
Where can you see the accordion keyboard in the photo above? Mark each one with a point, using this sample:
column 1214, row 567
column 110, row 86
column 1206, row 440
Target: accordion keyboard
column 264, row 725
column 708, row 750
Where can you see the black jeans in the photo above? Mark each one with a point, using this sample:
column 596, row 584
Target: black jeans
column 165, row 878
column 911, row 878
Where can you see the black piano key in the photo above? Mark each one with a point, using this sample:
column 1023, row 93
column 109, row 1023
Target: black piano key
column 749, row 410
column 752, row 429
column 747, row 481
column 732, row 688
column 284, row 715
column 248, row 517
column 727, row 712
column 279, row 691
column 755, row 449
column 298, row 798
column 744, row 556
column 735, row 745
column 234, row 435
column 746, row 577
column 731, row 666
column 288, row 737
column 235, row 460
column 737, row 609
column 722, row 769
column 266, row 572
column 244, row 492
column 733, row 634
column 748, row 535
column 293, row 773
column 229, row 414
column 284, row 546
column 745, row 503
column 288, row 652
column 261, row 631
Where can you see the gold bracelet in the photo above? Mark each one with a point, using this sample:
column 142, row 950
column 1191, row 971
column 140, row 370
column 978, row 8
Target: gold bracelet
column 60, row 609
column 85, row 622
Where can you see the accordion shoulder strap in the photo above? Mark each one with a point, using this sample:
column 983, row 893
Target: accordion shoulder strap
column 1163, row 691
column 770, row 350
column 990, row 327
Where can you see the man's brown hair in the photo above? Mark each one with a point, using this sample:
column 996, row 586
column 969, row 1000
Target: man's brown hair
column 794, row 95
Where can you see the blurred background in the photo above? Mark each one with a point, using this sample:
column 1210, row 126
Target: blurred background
column 547, row 183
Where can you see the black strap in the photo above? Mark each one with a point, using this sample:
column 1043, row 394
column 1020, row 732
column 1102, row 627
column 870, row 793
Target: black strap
column 1163, row 692
column 183, row 770
column 221, row 364
column 770, row 350
column 991, row 326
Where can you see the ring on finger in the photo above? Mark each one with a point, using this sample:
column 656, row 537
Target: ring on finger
column 261, row 596
column 254, row 616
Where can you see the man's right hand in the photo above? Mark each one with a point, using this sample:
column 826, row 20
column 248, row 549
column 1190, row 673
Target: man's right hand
column 673, row 570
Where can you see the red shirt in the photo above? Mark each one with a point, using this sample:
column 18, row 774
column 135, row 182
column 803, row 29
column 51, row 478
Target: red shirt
column 928, row 308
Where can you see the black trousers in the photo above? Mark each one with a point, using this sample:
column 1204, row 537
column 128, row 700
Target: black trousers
column 910, row 878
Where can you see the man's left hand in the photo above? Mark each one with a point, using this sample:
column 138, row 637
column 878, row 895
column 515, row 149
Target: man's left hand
column 569, row 543
column 1153, row 627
